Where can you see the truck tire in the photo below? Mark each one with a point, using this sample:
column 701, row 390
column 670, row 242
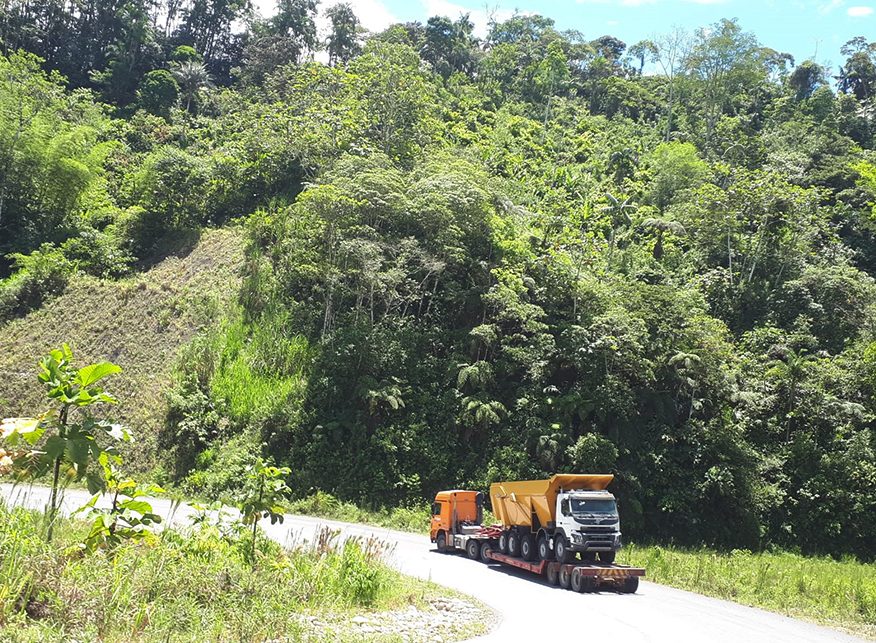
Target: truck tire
column 607, row 557
column 552, row 574
column 565, row 576
column 514, row 544
column 486, row 550
column 544, row 550
column 630, row 585
column 581, row 583
column 473, row 548
column 561, row 550
column 441, row 541
column 527, row 547
column 503, row 542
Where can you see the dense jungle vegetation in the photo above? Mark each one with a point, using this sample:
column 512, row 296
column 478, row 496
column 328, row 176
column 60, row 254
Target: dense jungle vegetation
column 475, row 259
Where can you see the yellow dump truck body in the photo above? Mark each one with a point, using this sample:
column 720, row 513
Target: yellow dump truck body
column 515, row 503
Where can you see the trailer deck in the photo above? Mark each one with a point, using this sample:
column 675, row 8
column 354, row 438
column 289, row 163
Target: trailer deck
column 580, row 577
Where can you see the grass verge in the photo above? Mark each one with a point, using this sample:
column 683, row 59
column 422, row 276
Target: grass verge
column 414, row 519
column 840, row 594
column 191, row 584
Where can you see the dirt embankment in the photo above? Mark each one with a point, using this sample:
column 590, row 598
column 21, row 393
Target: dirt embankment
column 139, row 323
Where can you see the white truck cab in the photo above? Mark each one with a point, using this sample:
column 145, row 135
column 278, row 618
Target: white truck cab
column 589, row 522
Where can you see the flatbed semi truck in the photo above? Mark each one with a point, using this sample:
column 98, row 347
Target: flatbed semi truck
column 456, row 526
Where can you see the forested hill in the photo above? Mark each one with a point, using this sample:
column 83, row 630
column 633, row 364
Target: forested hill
column 471, row 260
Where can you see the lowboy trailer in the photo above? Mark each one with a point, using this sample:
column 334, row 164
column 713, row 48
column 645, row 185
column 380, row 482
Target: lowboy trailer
column 456, row 527
column 587, row 577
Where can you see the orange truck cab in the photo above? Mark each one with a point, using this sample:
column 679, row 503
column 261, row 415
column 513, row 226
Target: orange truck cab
column 455, row 512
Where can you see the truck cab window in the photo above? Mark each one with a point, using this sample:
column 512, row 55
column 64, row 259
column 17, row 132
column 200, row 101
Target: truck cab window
column 436, row 508
column 564, row 507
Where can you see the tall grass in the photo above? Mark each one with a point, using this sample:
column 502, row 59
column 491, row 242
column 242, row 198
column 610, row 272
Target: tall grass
column 195, row 584
column 260, row 368
column 838, row 593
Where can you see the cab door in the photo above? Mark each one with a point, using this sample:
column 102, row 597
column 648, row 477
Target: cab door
column 440, row 518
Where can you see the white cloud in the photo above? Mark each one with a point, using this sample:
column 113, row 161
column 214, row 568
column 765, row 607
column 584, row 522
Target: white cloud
column 825, row 8
column 859, row 12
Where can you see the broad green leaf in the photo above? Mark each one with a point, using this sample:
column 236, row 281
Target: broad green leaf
column 140, row 506
column 88, row 505
column 55, row 447
column 94, row 482
column 28, row 429
column 93, row 373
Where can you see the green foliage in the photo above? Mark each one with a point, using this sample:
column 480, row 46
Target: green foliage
column 476, row 260
column 171, row 195
column 676, row 167
column 39, row 275
column 130, row 517
column 193, row 582
column 262, row 497
column 68, row 436
column 51, row 154
column 158, row 92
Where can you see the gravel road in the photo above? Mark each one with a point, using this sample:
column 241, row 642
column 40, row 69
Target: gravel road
column 532, row 610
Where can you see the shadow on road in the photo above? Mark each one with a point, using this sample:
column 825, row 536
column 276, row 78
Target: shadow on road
column 529, row 577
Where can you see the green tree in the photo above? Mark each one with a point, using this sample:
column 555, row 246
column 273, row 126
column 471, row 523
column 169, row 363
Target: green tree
column 675, row 166
column 263, row 497
column 158, row 92
column 725, row 63
column 342, row 42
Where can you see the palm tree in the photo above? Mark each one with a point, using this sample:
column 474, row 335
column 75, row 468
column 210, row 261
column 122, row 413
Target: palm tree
column 790, row 368
column 659, row 227
column 480, row 413
column 617, row 210
column 192, row 78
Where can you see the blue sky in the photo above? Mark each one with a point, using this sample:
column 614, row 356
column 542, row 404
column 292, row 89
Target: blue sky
column 803, row 28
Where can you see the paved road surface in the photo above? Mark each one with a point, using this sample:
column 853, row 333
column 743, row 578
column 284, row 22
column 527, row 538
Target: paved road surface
column 529, row 608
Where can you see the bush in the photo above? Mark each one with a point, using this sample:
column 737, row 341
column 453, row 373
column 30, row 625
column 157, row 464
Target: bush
column 40, row 275
column 172, row 195
column 192, row 584
column 158, row 92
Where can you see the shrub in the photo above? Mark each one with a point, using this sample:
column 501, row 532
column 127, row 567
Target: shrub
column 41, row 274
column 158, row 92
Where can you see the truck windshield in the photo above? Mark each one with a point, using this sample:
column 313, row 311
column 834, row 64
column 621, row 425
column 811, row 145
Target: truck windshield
column 593, row 506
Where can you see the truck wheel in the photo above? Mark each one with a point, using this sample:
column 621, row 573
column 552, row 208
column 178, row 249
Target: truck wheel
column 565, row 576
column 514, row 544
column 561, row 550
column 544, row 550
column 486, row 550
column 527, row 547
column 441, row 541
column 607, row 557
column 552, row 573
column 630, row 585
column 503, row 542
column 582, row 583
column 473, row 548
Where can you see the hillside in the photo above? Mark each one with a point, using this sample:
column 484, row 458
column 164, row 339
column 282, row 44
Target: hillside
column 139, row 323
column 468, row 258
